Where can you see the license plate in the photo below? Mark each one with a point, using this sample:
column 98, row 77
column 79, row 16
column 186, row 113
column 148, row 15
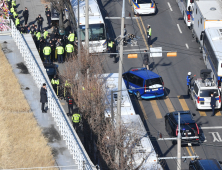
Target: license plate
column 201, row 102
column 189, row 133
column 154, row 89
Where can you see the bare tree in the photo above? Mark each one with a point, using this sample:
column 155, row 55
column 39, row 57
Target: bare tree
column 89, row 95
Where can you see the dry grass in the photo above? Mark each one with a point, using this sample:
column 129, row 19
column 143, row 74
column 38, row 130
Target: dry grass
column 22, row 144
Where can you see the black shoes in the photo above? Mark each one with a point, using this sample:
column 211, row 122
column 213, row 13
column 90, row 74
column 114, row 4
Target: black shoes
column 44, row 111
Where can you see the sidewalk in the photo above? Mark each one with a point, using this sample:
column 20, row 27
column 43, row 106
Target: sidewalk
column 45, row 121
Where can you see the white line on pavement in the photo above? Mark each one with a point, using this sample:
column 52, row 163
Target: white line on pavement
column 179, row 28
column 136, row 49
column 187, row 46
column 170, row 6
column 214, row 127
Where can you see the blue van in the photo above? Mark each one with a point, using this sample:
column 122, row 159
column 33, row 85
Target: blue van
column 151, row 84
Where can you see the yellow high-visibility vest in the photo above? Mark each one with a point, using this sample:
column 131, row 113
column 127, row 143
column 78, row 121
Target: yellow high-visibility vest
column 60, row 50
column 110, row 44
column 46, row 50
column 76, row 118
column 45, row 34
column 71, row 37
column 149, row 30
column 17, row 22
column 69, row 48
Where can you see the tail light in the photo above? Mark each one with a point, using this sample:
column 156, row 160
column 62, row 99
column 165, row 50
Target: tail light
column 198, row 100
column 134, row 69
column 145, row 89
column 163, row 84
column 219, row 99
column 198, row 131
column 188, row 17
column 218, row 83
column 177, row 131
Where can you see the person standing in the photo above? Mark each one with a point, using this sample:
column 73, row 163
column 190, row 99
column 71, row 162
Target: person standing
column 71, row 38
column 110, row 46
column 69, row 50
column 26, row 15
column 60, row 52
column 41, row 47
column 43, row 97
column 17, row 22
column 113, row 50
column 76, row 119
column 146, row 60
column 45, row 34
column 39, row 20
column 48, row 15
column 213, row 103
column 51, row 44
column 47, row 52
column 70, row 102
column 149, row 33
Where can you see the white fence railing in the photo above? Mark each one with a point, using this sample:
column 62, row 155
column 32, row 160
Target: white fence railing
column 73, row 142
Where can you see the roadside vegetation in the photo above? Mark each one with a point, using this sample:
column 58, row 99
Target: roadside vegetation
column 22, row 144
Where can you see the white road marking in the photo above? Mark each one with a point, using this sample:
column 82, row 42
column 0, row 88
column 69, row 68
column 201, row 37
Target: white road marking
column 213, row 127
column 169, row 6
column 179, row 28
column 187, row 46
column 136, row 49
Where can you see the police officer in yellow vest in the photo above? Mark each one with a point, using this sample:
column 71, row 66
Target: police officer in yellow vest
column 76, row 119
column 9, row 4
column 67, row 88
column 17, row 22
column 15, row 15
column 45, row 34
column 60, row 52
column 47, row 52
column 38, row 35
column 13, row 4
column 71, row 37
column 149, row 31
column 110, row 45
column 69, row 49
column 55, row 84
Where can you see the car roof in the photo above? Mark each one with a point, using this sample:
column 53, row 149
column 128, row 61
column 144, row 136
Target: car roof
column 210, row 164
column 185, row 117
column 145, row 74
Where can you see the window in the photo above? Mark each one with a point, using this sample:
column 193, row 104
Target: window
column 128, row 77
column 201, row 20
column 96, row 32
column 196, row 10
column 137, row 81
column 150, row 82
column 195, row 89
column 210, row 52
column 207, row 93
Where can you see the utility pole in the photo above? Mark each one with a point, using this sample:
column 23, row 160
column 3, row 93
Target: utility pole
column 87, row 27
column 179, row 145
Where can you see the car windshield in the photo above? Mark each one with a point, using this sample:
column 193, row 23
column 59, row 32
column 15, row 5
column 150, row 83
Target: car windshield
column 96, row 32
column 207, row 93
column 153, row 81
column 144, row 1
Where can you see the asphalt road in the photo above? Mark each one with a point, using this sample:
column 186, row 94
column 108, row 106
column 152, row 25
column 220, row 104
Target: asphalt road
column 166, row 34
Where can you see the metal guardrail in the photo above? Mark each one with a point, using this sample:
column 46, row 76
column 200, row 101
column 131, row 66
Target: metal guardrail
column 67, row 131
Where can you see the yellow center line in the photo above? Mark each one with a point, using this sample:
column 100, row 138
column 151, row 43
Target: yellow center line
column 217, row 113
column 188, row 150
column 156, row 109
column 144, row 32
column 169, row 104
column 144, row 39
column 143, row 110
column 193, row 150
column 183, row 103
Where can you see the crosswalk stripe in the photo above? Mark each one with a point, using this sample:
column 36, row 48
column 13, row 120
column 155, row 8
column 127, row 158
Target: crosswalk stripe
column 202, row 113
column 183, row 102
column 143, row 110
column 169, row 104
column 156, row 109
column 217, row 113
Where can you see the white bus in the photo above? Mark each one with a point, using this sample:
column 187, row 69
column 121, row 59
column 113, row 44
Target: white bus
column 97, row 31
column 143, row 150
column 212, row 52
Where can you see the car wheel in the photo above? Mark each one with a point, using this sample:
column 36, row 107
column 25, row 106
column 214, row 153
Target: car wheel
column 138, row 95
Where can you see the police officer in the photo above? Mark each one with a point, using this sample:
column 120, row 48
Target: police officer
column 38, row 36
column 67, row 88
column 110, row 45
column 113, row 50
column 60, row 52
column 149, row 33
column 9, row 4
column 45, row 34
column 13, row 4
column 47, row 52
column 189, row 79
column 71, row 38
column 55, row 84
column 39, row 20
column 41, row 47
column 213, row 103
column 26, row 15
column 69, row 49
column 17, row 22
column 70, row 102
column 76, row 119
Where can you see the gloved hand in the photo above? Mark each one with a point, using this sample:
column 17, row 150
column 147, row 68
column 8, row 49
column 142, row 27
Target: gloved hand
column 148, row 36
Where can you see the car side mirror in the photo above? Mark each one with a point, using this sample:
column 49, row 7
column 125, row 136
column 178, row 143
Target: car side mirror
column 193, row 114
column 220, row 162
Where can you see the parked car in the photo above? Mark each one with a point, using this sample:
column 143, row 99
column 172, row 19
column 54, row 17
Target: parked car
column 188, row 126
column 51, row 69
column 144, row 83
